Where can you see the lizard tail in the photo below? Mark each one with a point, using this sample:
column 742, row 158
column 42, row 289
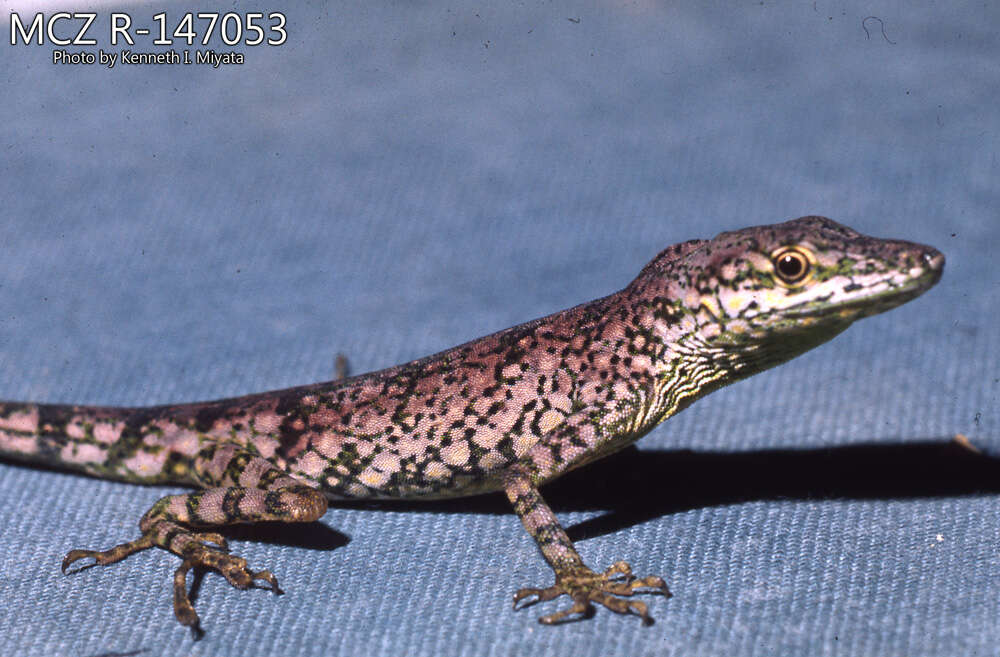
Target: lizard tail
column 97, row 440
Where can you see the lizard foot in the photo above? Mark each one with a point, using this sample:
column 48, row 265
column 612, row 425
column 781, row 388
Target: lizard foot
column 233, row 568
column 197, row 549
column 586, row 587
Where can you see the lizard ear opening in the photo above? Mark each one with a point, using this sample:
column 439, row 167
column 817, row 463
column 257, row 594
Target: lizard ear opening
column 792, row 265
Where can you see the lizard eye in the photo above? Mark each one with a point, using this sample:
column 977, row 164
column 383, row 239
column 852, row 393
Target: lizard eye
column 791, row 265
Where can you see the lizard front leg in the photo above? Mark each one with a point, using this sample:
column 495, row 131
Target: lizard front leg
column 249, row 490
column 573, row 577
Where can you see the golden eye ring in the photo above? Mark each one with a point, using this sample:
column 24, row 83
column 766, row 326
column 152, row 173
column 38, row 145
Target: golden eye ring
column 793, row 265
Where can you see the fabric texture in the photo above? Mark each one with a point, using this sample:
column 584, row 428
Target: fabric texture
column 401, row 177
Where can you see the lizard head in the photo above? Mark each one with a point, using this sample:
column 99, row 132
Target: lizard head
column 771, row 292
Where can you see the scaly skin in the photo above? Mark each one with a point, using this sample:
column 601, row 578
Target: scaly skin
column 508, row 412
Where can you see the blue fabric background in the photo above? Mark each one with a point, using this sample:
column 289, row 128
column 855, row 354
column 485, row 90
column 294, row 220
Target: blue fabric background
column 402, row 177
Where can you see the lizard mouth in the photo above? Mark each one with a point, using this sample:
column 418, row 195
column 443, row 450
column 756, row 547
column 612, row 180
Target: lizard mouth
column 878, row 302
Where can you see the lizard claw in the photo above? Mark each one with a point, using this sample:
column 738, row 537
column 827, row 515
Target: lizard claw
column 586, row 587
column 105, row 557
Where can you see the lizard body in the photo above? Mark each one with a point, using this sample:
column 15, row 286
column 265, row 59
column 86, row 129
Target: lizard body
column 508, row 411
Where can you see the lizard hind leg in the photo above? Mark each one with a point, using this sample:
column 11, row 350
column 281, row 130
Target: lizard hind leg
column 170, row 524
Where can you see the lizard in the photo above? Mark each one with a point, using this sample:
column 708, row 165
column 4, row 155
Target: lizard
column 506, row 412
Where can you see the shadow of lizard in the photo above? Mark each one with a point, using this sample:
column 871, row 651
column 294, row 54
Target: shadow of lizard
column 637, row 485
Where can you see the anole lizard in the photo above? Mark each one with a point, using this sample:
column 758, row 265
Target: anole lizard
column 507, row 412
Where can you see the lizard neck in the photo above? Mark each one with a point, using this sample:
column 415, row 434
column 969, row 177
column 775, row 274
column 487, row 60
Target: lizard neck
column 690, row 350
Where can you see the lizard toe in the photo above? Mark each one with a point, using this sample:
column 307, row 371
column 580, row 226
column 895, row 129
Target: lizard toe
column 585, row 587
